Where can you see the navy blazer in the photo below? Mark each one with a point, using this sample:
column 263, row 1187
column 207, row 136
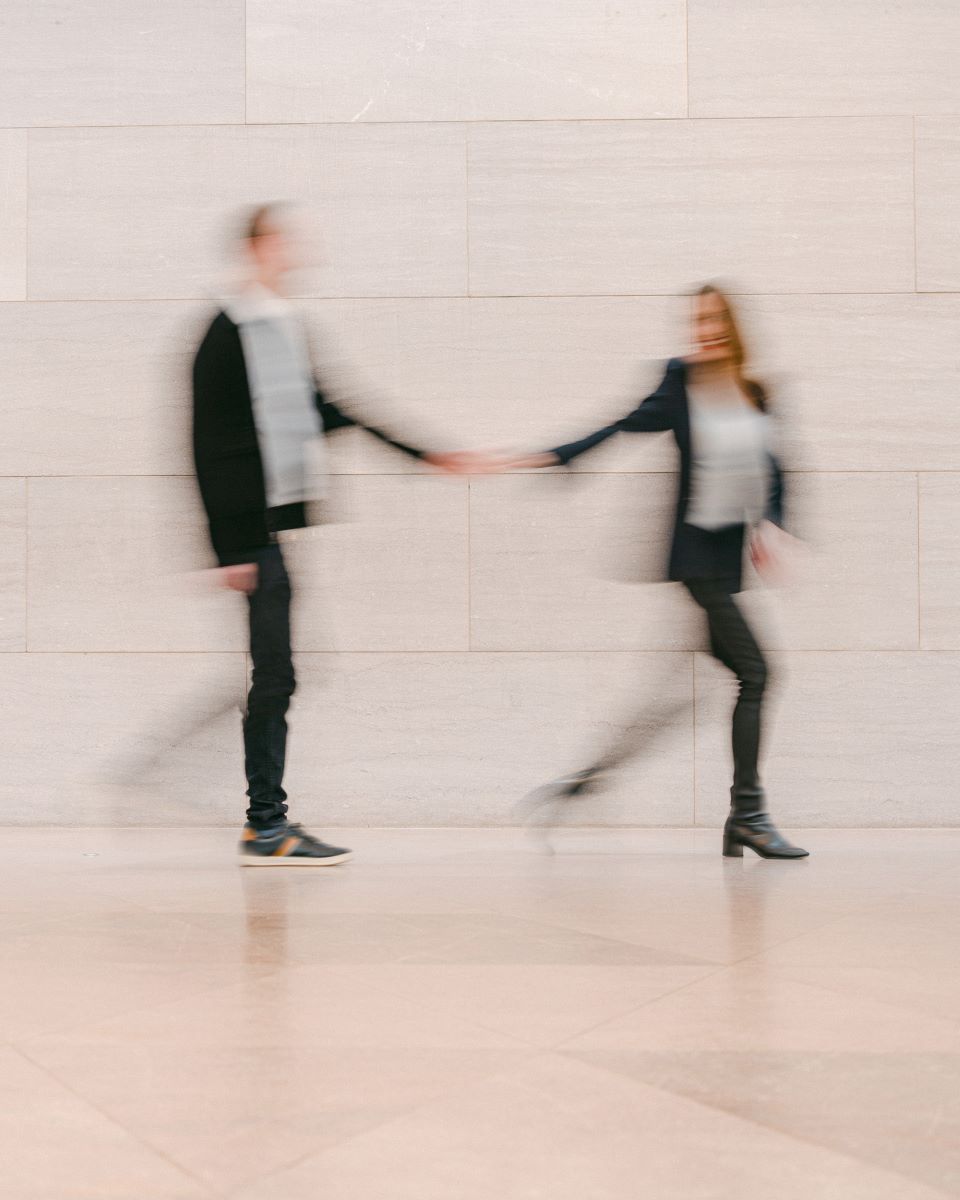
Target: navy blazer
column 694, row 553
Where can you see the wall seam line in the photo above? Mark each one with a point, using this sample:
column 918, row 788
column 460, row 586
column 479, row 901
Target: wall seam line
column 693, row 681
column 919, row 576
column 26, row 222
column 686, row 53
column 26, row 564
column 916, row 265
column 469, row 565
column 466, row 204
column 891, row 293
column 651, row 119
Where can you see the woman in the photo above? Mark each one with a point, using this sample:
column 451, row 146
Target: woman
column 730, row 483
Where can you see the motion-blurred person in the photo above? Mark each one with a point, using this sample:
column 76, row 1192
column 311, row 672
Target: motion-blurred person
column 730, row 495
column 257, row 411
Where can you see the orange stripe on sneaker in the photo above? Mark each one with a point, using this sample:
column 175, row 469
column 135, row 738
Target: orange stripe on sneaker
column 289, row 845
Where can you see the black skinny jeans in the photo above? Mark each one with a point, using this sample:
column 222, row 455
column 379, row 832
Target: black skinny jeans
column 733, row 643
column 265, row 723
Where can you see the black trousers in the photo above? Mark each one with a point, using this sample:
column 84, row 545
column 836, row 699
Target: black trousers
column 733, row 643
column 265, row 722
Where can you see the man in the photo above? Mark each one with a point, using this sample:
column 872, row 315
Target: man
column 256, row 410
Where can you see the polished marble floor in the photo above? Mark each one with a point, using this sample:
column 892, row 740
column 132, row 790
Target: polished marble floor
column 457, row 1015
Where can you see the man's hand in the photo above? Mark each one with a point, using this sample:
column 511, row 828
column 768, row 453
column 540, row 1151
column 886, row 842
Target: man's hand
column 241, row 577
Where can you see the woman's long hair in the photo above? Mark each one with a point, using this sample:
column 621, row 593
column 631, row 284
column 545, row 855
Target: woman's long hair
column 751, row 388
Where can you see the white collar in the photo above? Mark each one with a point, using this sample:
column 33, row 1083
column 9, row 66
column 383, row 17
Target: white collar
column 256, row 303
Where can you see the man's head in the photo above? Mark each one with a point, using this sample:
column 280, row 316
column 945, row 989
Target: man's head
column 268, row 244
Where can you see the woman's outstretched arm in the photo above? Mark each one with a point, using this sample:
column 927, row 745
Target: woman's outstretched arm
column 654, row 415
column 774, row 512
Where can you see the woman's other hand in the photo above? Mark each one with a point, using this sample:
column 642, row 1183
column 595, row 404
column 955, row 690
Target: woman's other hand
column 776, row 555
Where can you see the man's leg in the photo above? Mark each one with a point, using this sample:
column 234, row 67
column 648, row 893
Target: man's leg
column 268, row 840
column 265, row 723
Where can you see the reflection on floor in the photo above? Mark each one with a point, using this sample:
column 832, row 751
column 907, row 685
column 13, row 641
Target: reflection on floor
column 458, row 1016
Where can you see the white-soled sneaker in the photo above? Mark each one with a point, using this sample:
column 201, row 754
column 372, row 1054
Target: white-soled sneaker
column 287, row 846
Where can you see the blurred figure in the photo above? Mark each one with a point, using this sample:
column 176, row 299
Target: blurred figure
column 730, row 495
column 258, row 414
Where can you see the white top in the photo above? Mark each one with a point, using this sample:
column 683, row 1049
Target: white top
column 282, row 393
column 730, row 441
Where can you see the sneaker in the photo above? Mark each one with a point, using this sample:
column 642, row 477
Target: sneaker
column 287, row 846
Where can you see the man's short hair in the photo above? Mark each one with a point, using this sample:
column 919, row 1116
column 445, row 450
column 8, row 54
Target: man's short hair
column 261, row 220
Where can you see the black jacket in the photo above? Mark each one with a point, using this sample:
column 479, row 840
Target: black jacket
column 226, row 449
column 694, row 553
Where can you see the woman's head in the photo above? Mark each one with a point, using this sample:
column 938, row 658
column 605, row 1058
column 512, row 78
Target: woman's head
column 717, row 339
column 716, row 334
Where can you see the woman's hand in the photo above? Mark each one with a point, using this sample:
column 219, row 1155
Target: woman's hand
column 776, row 555
column 528, row 462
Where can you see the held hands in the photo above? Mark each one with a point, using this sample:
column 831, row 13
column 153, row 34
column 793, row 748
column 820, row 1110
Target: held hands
column 477, row 462
column 459, row 462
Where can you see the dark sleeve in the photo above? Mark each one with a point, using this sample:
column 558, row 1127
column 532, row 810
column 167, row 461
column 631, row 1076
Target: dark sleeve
column 225, row 451
column 334, row 417
column 774, row 511
column 654, row 415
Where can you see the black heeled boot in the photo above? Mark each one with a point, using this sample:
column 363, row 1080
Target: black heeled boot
column 748, row 825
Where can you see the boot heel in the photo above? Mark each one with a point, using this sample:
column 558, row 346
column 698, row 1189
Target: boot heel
column 732, row 848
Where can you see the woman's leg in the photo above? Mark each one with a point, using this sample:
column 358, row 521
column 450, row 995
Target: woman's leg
column 733, row 643
column 635, row 733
